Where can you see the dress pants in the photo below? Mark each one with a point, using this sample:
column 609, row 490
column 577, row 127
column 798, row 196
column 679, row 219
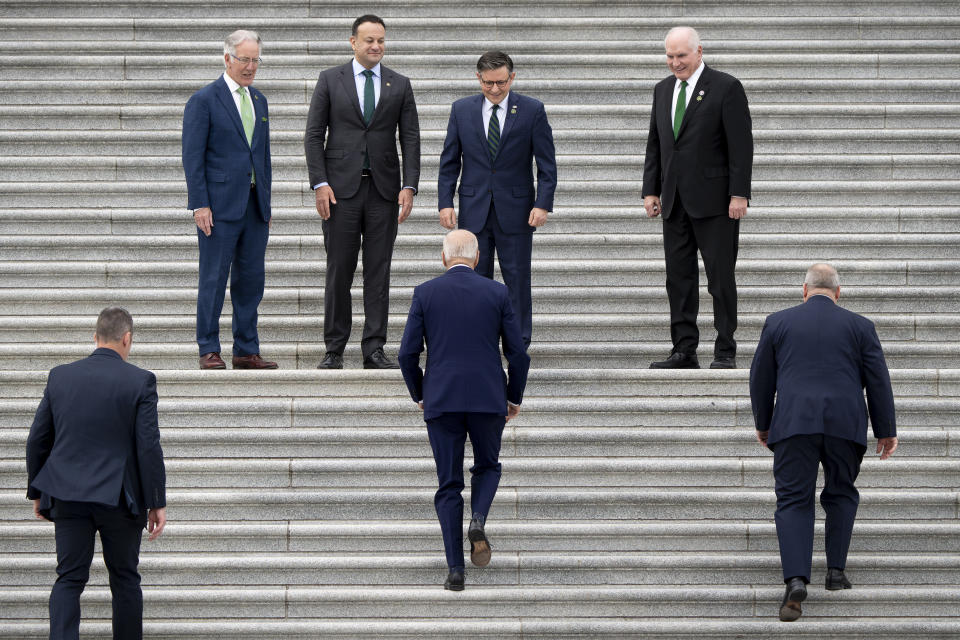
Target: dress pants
column 514, row 252
column 795, row 462
column 75, row 525
column 717, row 238
column 447, row 433
column 366, row 221
column 235, row 248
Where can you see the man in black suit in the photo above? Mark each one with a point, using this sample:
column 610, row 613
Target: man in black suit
column 94, row 463
column 816, row 359
column 355, row 115
column 464, row 317
column 697, row 172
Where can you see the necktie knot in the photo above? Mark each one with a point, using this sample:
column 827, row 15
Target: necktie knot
column 367, row 72
column 241, row 90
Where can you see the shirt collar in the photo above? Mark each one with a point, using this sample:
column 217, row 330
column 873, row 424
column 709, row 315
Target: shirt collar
column 488, row 106
column 359, row 68
column 465, row 266
column 694, row 79
column 231, row 83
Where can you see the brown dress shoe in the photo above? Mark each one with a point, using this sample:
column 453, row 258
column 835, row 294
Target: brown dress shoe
column 212, row 360
column 253, row 361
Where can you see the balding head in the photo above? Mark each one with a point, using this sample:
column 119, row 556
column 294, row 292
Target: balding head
column 684, row 52
column 821, row 279
column 460, row 247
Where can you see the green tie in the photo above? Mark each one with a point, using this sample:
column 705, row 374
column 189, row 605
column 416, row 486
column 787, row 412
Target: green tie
column 493, row 133
column 681, row 109
column 246, row 114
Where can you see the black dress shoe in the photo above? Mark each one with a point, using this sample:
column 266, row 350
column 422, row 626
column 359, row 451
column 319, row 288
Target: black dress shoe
column 331, row 361
column 724, row 362
column 795, row 593
column 479, row 545
column 837, row 580
column 377, row 360
column 677, row 360
column 454, row 581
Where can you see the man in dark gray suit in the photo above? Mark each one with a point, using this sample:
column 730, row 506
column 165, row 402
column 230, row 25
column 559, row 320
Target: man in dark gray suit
column 355, row 115
column 94, row 464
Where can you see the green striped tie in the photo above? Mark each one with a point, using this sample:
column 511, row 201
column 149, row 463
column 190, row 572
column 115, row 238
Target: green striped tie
column 493, row 133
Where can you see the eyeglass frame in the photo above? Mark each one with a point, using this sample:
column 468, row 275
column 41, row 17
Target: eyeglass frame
column 245, row 60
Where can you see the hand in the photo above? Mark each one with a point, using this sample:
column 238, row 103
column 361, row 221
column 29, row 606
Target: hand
column 512, row 411
column 652, row 205
column 156, row 521
column 738, row 207
column 762, row 437
column 420, row 404
column 36, row 509
column 405, row 200
column 887, row 446
column 538, row 217
column 448, row 218
column 325, row 198
column 204, row 219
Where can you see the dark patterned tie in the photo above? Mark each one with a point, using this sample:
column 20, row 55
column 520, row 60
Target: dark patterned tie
column 369, row 104
column 681, row 109
column 493, row 133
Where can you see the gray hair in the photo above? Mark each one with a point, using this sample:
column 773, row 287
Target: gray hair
column 822, row 276
column 113, row 323
column 460, row 244
column 693, row 38
column 233, row 40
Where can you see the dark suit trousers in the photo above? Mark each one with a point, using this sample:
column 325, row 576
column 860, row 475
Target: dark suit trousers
column 795, row 462
column 366, row 221
column 235, row 248
column 448, row 432
column 717, row 238
column 75, row 525
column 514, row 252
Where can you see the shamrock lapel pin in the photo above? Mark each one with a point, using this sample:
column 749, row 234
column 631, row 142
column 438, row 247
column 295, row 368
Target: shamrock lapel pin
column 700, row 97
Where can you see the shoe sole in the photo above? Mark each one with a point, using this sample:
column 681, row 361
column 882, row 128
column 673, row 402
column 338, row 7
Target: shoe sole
column 453, row 587
column 837, row 587
column 479, row 548
column 215, row 367
column 373, row 366
column 686, row 366
column 791, row 610
column 722, row 366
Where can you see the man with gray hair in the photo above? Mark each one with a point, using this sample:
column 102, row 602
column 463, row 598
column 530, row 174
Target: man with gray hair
column 94, row 465
column 226, row 159
column 696, row 173
column 807, row 381
column 464, row 318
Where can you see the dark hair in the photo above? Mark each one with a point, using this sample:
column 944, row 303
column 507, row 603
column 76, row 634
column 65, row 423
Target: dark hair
column 491, row 60
column 368, row 18
column 113, row 323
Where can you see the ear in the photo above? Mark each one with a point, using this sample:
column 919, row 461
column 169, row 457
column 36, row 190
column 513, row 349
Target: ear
column 836, row 295
column 443, row 258
column 805, row 292
column 476, row 260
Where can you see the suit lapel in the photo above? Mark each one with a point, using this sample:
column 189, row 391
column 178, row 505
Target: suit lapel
column 386, row 90
column 350, row 87
column 258, row 116
column 223, row 93
column 476, row 115
column 512, row 116
column 694, row 105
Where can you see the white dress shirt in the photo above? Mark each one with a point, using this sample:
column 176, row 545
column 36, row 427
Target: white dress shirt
column 501, row 114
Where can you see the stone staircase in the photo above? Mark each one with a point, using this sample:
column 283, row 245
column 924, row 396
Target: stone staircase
column 634, row 504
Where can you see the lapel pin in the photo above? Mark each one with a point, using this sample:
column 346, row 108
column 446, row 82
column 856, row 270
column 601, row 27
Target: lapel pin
column 388, row 84
column 513, row 110
column 263, row 119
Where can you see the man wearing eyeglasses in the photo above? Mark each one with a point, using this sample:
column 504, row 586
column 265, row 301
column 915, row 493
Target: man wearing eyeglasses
column 492, row 140
column 357, row 113
column 226, row 159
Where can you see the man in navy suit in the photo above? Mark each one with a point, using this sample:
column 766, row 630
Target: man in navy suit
column 94, row 463
column 463, row 317
column 696, row 173
column 226, row 159
column 816, row 359
column 492, row 140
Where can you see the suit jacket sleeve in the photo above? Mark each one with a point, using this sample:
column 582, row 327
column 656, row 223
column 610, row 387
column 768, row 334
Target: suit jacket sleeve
column 196, row 127
column 317, row 120
column 763, row 380
column 739, row 134
column 518, row 362
column 545, row 153
column 450, row 163
column 39, row 443
column 149, row 453
column 409, row 136
column 651, row 161
column 411, row 346
column 876, row 380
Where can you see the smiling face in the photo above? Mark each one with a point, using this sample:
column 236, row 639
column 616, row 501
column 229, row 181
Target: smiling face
column 369, row 44
column 495, row 83
column 682, row 58
column 241, row 73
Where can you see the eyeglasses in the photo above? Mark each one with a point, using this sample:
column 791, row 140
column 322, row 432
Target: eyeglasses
column 488, row 84
column 247, row 60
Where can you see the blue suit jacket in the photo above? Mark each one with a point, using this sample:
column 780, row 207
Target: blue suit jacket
column 95, row 436
column 216, row 156
column 508, row 179
column 462, row 317
column 817, row 358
